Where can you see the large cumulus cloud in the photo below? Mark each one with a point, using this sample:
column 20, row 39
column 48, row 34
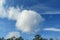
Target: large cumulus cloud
column 26, row 20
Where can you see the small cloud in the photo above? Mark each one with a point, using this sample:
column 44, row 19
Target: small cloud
column 51, row 29
column 12, row 34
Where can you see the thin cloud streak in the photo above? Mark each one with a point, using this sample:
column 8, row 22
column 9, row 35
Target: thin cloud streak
column 58, row 12
column 42, row 9
column 52, row 29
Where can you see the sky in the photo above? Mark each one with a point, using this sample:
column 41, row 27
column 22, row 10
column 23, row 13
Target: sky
column 27, row 18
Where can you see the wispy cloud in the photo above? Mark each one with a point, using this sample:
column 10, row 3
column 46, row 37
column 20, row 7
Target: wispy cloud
column 43, row 9
column 52, row 29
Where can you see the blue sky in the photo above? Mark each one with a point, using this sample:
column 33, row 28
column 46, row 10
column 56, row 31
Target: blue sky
column 46, row 13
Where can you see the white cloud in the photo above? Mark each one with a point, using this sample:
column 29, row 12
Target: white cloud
column 28, row 21
column 12, row 34
column 52, row 29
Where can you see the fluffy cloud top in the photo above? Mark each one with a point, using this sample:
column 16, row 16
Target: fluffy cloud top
column 12, row 34
column 26, row 20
